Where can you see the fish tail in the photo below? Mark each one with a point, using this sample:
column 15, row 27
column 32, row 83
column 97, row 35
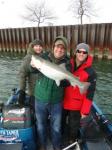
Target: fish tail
column 84, row 88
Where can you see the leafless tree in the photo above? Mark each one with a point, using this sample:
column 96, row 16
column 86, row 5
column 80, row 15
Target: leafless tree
column 81, row 8
column 39, row 13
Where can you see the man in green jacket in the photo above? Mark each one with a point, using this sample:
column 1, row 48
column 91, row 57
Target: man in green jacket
column 49, row 96
column 26, row 75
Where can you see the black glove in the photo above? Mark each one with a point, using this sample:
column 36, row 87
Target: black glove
column 21, row 98
column 64, row 83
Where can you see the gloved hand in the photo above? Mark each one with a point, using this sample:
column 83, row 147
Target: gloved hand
column 21, row 98
column 64, row 83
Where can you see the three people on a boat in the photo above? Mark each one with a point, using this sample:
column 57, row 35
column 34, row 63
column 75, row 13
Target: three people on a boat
column 51, row 100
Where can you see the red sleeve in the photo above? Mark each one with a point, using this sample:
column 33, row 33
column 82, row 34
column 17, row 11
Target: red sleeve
column 86, row 106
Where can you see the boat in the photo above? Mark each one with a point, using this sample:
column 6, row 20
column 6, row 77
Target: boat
column 17, row 131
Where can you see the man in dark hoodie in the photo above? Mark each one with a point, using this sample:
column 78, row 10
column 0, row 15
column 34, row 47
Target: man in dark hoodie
column 49, row 96
column 27, row 76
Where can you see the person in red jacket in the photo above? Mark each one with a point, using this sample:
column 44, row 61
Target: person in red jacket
column 75, row 104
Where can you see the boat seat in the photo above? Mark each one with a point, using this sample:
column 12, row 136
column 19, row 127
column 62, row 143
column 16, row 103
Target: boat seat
column 16, row 117
column 14, row 146
column 99, row 145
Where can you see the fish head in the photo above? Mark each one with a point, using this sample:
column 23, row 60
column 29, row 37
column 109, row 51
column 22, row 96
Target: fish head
column 36, row 62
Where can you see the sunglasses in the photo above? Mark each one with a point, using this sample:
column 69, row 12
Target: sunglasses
column 83, row 52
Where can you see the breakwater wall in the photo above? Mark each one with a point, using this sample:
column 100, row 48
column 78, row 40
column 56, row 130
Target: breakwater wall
column 98, row 36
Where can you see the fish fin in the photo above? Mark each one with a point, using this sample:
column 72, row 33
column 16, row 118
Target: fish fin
column 85, row 87
column 57, row 82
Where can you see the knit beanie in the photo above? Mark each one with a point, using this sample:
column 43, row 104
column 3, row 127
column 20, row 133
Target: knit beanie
column 83, row 46
column 37, row 42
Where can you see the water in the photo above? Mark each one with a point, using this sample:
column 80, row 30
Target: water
column 103, row 94
column 9, row 66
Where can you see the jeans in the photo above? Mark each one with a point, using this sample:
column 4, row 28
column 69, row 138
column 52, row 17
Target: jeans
column 54, row 113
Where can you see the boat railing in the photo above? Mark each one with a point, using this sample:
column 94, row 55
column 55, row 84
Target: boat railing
column 75, row 144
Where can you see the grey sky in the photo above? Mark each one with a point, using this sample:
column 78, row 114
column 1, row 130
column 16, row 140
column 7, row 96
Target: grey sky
column 10, row 11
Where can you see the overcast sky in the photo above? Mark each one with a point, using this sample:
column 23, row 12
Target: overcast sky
column 11, row 10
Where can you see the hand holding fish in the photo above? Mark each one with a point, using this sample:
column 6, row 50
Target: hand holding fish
column 32, row 64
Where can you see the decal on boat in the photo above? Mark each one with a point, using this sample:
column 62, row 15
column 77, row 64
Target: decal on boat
column 9, row 135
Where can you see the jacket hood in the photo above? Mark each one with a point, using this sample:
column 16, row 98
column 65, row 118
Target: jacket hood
column 63, row 39
column 31, row 45
column 87, row 63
